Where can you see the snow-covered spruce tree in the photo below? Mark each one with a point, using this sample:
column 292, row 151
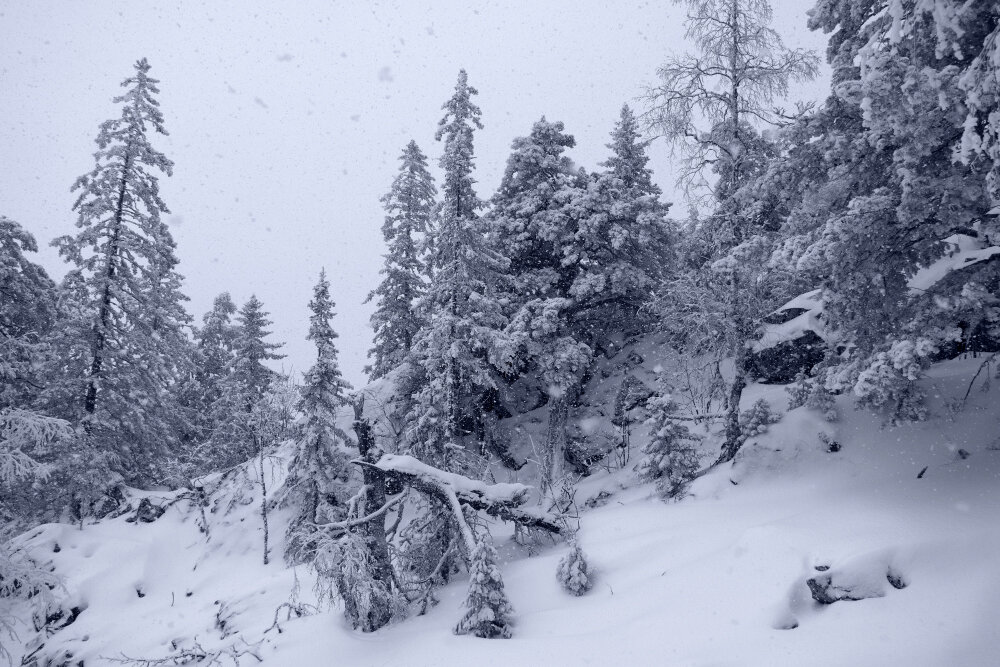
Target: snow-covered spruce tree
column 757, row 419
column 573, row 571
column 249, row 371
column 25, row 438
column 241, row 415
column 971, row 31
column 23, row 433
column 628, row 161
column 212, row 357
column 119, row 345
column 461, row 342
column 345, row 566
column 319, row 474
column 409, row 206
column 27, row 311
column 216, row 347
column 530, row 224
column 352, row 558
column 488, row 611
column 900, row 77
column 622, row 243
column 528, row 220
column 671, row 455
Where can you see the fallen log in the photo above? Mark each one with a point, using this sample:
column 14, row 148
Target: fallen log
column 503, row 501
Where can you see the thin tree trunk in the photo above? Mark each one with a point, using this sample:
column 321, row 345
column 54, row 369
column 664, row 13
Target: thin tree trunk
column 374, row 530
column 101, row 326
column 555, row 436
column 733, row 430
column 263, row 505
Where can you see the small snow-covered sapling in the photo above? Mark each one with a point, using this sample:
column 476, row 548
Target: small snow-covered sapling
column 574, row 572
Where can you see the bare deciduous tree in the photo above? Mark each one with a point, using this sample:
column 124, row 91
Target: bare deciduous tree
column 708, row 103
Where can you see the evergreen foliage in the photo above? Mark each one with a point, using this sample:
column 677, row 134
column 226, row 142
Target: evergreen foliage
column 461, row 343
column 671, row 455
column 247, row 417
column 531, row 223
column 573, row 571
column 488, row 610
column 22, row 435
column 250, row 374
column 622, row 243
column 319, row 474
column 120, row 346
column 888, row 190
column 409, row 207
column 216, row 341
column 27, row 311
column 347, row 563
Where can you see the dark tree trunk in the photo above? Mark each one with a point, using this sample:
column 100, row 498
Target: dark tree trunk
column 733, row 430
column 380, row 612
column 555, row 435
column 101, row 326
column 263, row 508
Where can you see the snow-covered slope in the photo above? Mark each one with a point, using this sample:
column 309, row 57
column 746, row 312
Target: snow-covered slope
column 719, row 578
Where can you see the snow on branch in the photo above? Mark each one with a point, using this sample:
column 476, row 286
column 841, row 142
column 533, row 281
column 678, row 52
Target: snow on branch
column 503, row 501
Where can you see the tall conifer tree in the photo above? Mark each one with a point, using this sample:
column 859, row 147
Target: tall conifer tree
column 461, row 341
column 241, row 414
column 409, row 206
column 321, row 469
column 120, row 348
column 250, row 375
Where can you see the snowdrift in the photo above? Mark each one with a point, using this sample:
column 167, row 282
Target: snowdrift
column 897, row 534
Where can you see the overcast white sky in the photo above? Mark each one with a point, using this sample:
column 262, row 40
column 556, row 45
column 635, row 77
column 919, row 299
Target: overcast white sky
column 286, row 120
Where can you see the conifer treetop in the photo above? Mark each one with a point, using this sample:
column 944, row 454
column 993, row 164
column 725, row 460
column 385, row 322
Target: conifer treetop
column 628, row 154
column 456, row 129
column 252, row 350
column 409, row 207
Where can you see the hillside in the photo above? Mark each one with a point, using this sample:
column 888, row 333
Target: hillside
column 718, row 578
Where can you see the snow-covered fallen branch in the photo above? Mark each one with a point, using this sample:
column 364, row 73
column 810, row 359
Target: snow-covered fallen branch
column 503, row 501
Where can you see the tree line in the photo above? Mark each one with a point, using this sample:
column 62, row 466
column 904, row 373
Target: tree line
column 486, row 305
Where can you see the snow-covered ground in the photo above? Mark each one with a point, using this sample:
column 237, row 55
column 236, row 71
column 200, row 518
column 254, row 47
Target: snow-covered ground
column 718, row 578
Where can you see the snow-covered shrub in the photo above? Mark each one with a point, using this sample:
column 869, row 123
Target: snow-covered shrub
column 812, row 393
column 21, row 578
column 427, row 548
column 798, row 392
column 888, row 381
column 671, row 456
column 573, row 571
column 488, row 609
column 345, row 566
column 754, row 422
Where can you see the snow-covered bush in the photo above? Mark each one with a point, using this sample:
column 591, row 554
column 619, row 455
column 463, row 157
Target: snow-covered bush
column 488, row 609
column 812, row 393
column 754, row 422
column 427, row 549
column 671, row 456
column 21, row 578
column 573, row 571
column 888, row 381
column 345, row 567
